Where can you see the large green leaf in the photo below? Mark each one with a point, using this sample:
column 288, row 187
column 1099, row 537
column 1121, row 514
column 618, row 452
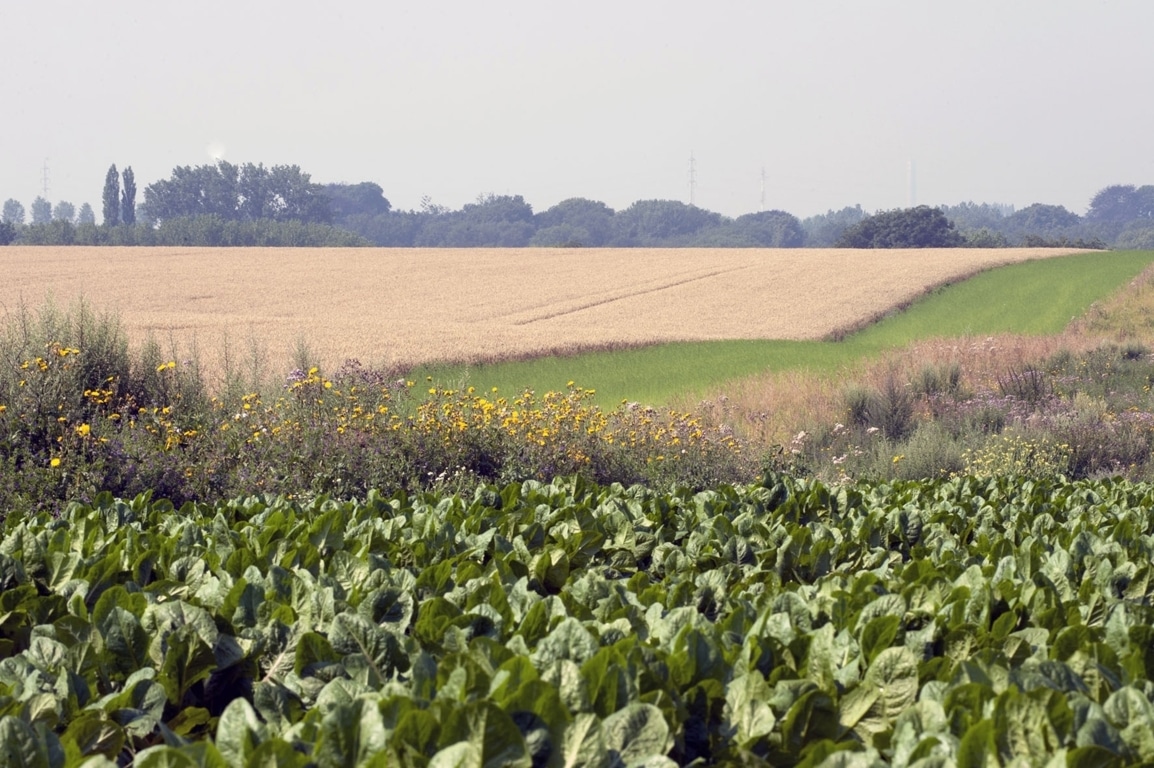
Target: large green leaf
column 238, row 732
column 636, row 733
column 370, row 653
column 747, row 711
column 569, row 641
column 889, row 686
column 187, row 661
column 582, row 746
column 22, row 746
column 92, row 733
column 349, row 734
column 488, row 730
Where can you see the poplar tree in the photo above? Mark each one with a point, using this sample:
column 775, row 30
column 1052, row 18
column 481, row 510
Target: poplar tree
column 112, row 197
column 128, row 198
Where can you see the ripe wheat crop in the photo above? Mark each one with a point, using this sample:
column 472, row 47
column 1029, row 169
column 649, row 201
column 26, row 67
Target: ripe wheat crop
column 401, row 307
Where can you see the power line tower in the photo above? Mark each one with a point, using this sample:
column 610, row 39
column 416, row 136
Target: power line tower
column 761, row 207
column 44, row 177
column 912, row 181
column 692, row 177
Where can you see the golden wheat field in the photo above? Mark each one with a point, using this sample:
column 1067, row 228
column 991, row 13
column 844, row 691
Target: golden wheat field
column 404, row 306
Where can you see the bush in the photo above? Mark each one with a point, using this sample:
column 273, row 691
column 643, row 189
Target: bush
column 1016, row 453
column 920, row 227
column 889, row 408
column 931, row 452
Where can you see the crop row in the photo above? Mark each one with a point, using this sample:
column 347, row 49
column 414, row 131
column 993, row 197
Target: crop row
column 959, row 622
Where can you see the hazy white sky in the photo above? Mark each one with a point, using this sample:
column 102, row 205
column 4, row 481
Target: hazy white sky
column 1012, row 101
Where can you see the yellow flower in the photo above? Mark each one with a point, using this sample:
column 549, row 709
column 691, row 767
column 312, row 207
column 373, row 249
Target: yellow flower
column 84, row 430
column 3, row 408
column 55, row 461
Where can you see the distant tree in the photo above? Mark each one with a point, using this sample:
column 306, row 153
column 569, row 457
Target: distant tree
column 395, row 229
column 824, row 229
column 661, row 223
column 985, row 238
column 111, row 197
column 1122, row 203
column 974, row 216
column 575, row 221
column 85, row 215
column 41, row 211
column 494, row 221
column 128, row 197
column 1136, row 239
column 920, row 227
column 1043, row 219
column 13, row 212
column 770, row 229
column 237, row 193
column 347, row 200
column 7, row 232
column 561, row 236
column 64, row 211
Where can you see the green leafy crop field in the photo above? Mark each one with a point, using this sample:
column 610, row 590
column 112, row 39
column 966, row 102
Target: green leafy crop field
column 962, row 622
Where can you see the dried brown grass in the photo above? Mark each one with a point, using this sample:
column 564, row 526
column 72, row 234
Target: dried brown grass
column 769, row 408
column 397, row 307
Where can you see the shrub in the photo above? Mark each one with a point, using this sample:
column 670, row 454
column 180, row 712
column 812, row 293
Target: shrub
column 945, row 379
column 1027, row 383
column 889, row 408
column 1015, row 453
column 930, row 452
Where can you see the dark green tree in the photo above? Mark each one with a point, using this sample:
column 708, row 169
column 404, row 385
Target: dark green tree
column 920, row 227
column 575, row 222
column 348, row 200
column 128, row 197
column 111, row 197
column 494, row 221
column 237, row 193
column 7, row 232
column 13, row 212
column 661, row 223
column 41, row 211
column 85, row 215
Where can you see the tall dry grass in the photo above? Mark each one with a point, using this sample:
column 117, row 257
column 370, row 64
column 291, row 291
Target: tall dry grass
column 770, row 409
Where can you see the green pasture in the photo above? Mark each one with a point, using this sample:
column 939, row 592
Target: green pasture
column 1036, row 297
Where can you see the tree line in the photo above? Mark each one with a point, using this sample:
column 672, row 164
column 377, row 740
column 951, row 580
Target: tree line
column 251, row 204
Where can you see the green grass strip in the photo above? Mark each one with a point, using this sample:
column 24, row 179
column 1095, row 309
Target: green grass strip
column 1035, row 297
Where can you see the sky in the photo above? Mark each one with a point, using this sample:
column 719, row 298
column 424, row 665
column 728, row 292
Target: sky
column 992, row 101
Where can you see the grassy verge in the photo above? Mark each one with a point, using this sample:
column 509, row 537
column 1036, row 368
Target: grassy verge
column 1034, row 297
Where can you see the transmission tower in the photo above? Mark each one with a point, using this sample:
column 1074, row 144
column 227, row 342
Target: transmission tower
column 44, row 177
column 692, row 177
column 761, row 207
column 912, row 180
